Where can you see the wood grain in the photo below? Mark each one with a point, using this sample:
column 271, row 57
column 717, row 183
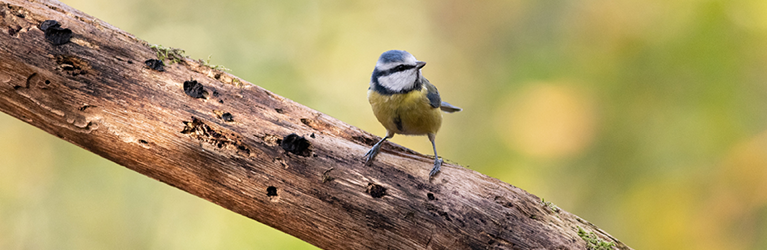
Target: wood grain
column 233, row 146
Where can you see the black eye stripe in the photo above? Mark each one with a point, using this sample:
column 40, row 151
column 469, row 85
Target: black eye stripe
column 398, row 68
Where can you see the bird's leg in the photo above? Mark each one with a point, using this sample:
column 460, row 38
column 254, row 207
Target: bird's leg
column 371, row 154
column 437, row 160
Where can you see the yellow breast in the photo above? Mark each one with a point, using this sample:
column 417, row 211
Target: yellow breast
column 408, row 114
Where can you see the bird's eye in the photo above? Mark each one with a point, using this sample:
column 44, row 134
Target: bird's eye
column 401, row 67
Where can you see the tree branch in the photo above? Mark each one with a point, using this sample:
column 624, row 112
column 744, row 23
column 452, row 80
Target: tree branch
column 213, row 135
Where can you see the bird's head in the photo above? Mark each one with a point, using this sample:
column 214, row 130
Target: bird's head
column 397, row 70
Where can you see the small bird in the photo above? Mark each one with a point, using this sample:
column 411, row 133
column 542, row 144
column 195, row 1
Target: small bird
column 404, row 101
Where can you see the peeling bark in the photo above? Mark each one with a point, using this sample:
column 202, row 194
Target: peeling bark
column 249, row 150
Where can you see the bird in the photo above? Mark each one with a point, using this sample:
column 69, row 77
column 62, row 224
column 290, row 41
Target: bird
column 404, row 102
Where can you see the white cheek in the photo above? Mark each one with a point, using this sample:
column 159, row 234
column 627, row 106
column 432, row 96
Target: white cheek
column 398, row 81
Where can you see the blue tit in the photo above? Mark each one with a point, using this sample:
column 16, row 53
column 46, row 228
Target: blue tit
column 404, row 101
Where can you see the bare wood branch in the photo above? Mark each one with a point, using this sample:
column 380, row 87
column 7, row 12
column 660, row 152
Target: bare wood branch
column 231, row 145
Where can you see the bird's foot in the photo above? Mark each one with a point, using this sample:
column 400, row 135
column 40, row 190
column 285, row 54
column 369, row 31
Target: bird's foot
column 371, row 154
column 437, row 166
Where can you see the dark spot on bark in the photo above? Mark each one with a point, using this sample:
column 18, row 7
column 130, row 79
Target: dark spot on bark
column 221, row 101
column 364, row 140
column 326, row 176
column 142, row 141
column 312, row 135
column 432, row 208
column 29, row 80
column 54, row 33
column 215, row 93
column 194, row 89
column 130, row 62
column 375, row 190
column 296, row 144
column 16, row 87
column 227, row 117
column 86, row 106
column 410, row 215
column 197, row 129
column 155, row 64
column 279, row 110
column 72, row 65
column 12, row 31
column 430, row 196
column 315, row 124
column 47, row 82
column 271, row 191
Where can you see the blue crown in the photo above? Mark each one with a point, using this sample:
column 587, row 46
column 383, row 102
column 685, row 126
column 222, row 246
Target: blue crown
column 393, row 56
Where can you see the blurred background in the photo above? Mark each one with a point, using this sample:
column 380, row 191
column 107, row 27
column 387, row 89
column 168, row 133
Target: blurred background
column 647, row 118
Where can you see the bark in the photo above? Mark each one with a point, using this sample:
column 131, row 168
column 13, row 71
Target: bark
column 229, row 142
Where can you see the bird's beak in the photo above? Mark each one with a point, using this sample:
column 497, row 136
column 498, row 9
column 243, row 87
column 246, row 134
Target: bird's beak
column 420, row 64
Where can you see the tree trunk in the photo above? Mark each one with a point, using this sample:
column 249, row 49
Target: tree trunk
column 218, row 137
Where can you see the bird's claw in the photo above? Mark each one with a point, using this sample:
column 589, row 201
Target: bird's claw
column 370, row 155
column 437, row 166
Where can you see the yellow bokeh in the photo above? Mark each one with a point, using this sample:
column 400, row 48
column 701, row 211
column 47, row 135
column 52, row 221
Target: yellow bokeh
column 547, row 120
column 726, row 218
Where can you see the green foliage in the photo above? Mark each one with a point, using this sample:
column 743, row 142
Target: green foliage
column 593, row 242
column 172, row 55
column 549, row 205
column 237, row 82
column 207, row 63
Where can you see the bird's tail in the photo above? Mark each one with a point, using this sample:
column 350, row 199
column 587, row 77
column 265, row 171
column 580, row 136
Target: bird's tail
column 447, row 107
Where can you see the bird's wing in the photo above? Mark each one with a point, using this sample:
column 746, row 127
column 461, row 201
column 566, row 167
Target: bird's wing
column 434, row 100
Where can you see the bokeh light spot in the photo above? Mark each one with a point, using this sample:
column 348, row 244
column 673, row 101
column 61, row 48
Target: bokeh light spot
column 547, row 120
